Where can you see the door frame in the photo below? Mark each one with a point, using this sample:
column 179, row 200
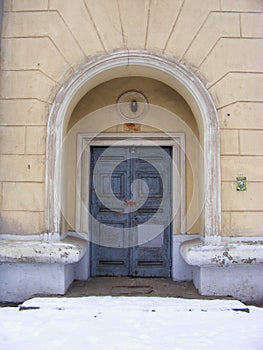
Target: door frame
column 86, row 140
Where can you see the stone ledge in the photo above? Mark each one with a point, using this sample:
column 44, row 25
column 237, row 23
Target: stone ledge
column 197, row 253
column 68, row 251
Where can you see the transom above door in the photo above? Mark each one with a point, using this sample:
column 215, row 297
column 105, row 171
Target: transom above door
column 131, row 211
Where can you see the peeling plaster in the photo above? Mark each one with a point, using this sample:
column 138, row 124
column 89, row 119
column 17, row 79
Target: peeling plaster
column 197, row 253
column 69, row 251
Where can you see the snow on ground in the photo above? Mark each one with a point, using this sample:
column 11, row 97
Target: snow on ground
column 128, row 323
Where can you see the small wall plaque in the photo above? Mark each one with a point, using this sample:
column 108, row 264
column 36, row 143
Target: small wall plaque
column 132, row 127
column 241, row 183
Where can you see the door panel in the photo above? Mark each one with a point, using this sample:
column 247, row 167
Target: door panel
column 109, row 252
column 130, row 222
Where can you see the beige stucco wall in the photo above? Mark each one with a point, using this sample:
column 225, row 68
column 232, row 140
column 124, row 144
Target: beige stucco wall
column 45, row 41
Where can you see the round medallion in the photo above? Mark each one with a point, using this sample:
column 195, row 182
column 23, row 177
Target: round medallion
column 132, row 105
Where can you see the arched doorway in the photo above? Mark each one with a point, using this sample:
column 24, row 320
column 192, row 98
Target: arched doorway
column 142, row 65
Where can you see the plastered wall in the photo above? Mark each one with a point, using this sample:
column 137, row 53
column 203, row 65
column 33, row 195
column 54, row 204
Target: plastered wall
column 45, row 41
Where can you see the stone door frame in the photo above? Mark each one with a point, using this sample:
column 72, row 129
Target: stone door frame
column 87, row 140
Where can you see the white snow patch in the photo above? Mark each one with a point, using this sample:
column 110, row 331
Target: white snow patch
column 148, row 323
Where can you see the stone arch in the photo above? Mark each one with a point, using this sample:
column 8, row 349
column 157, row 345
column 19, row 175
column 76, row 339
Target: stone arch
column 141, row 63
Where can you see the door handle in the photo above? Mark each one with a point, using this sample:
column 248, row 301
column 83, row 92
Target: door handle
column 129, row 203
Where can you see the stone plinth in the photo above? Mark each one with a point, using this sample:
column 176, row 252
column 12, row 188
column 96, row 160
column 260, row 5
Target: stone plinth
column 227, row 269
column 36, row 267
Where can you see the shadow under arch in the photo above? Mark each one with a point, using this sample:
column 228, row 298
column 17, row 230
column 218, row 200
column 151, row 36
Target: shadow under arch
column 145, row 64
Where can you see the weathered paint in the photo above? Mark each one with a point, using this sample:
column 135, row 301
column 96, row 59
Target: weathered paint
column 118, row 223
column 197, row 253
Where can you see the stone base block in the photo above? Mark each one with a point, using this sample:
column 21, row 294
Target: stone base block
column 229, row 268
column 243, row 282
column 19, row 281
column 35, row 267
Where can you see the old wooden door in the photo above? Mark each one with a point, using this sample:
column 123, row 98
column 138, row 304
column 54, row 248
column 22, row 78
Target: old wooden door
column 130, row 211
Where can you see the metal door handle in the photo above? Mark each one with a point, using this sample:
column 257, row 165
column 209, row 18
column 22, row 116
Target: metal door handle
column 129, row 203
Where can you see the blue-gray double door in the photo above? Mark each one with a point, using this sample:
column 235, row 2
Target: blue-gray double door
column 130, row 211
